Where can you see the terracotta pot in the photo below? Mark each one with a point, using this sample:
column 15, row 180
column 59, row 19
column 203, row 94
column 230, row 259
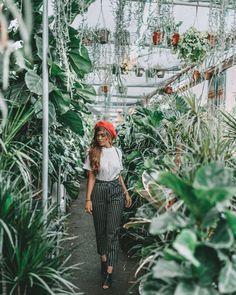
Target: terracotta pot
column 168, row 89
column 156, row 37
column 104, row 88
column 208, row 75
column 196, row 75
column 212, row 40
column 175, row 39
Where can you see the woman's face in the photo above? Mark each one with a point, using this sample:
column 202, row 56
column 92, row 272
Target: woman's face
column 103, row 138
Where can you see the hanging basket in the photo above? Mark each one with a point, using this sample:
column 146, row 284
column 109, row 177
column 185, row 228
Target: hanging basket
column 150, row 73
column 122, row 89
column 208, row 75
column 160, row 74
column 168, row 89
column 104, row 89
column 139, row 72
column 102, row 36
column 175, row 39
column 156, row 37
column 196, row 75
column 212, row 39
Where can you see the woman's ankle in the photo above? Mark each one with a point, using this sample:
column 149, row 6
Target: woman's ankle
column 103, row 258
column 109, row 269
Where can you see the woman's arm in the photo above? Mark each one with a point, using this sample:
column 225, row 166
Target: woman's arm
column 128, row 200
column 90, row 185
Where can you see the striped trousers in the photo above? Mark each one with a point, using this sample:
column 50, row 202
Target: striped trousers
column 108, row 204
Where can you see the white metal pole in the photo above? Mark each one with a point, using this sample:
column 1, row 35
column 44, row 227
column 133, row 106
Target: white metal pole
column 45, row 106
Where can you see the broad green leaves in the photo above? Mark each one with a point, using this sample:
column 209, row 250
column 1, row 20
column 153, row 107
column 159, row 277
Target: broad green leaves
column 35, row 83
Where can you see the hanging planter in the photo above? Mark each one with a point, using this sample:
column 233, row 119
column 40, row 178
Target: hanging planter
column 156, row 37
column 115, row 69
column 122, row 89
column 102, row 36
column 175, row 39
column 196, row 75
column 150, row 73
column 168, row 89
column 160, row 73
column 139, row 71
column 212, row 39
column 208, row 75
column 104, row 88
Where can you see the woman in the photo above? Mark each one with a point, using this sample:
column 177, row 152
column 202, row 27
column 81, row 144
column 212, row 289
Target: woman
column 106, row 195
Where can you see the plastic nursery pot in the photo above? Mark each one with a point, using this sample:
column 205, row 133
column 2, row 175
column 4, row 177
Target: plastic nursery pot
column 103, row 36
column 168, row 89
column 175, row 39
column 196, row 75
column 160, row 74
column 208, row 75
column 156, row 37
column 211, row 40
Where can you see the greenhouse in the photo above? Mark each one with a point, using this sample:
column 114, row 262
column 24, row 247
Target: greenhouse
column 117, row 147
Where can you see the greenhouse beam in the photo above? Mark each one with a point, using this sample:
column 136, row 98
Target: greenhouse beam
column 45, row 107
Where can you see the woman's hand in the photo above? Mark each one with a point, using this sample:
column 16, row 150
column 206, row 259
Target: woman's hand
column 128, row 200
column 88, row 207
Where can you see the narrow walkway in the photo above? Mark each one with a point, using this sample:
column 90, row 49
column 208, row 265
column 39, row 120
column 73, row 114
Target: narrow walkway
column 88, row 278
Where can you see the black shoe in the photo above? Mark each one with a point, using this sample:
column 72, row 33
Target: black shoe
column 107, row 281
column 103, row 267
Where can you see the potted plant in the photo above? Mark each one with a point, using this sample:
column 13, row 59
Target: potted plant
column 208, row 75
column 160, row 73
column 196, row 75
column 156, row 37
column 150, row 73
column 212, row 39
column 139, row 71
column 102, row 35
column 193, row 46
column 168, row 89
column 175, row 39
column 104, row 88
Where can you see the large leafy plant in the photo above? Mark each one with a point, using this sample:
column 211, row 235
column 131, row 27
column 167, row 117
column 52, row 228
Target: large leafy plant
column 200, row 258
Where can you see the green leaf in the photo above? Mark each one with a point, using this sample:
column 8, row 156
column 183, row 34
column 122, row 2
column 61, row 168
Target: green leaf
column 185, row 244
column 72, row 188
column 192, row 288
column 80, row 61
column 60, row 100
column 227, row 278
column 133, row 156
column 214, row 182
column 223, row 237
column 231, row 219
column 169, row 269
column 86, row 92
column 39, row 45
column 210, row 264
column 183, row 190
column 168, row 221
column 5, row 206
column 73, row 121
column 35, row 83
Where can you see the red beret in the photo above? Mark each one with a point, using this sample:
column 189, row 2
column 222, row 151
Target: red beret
column 108, row 126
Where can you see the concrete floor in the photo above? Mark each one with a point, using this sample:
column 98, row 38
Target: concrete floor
column 88, row 278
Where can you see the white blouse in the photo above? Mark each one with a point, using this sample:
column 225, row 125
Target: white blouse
column 110, row 164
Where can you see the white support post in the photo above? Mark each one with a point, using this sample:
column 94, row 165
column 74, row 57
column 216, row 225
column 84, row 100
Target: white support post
column 45, row 106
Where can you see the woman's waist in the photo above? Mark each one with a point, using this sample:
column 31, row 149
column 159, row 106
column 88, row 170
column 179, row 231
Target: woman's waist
column 116, row 180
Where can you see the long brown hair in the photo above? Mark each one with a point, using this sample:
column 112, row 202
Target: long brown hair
column 95, row 150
